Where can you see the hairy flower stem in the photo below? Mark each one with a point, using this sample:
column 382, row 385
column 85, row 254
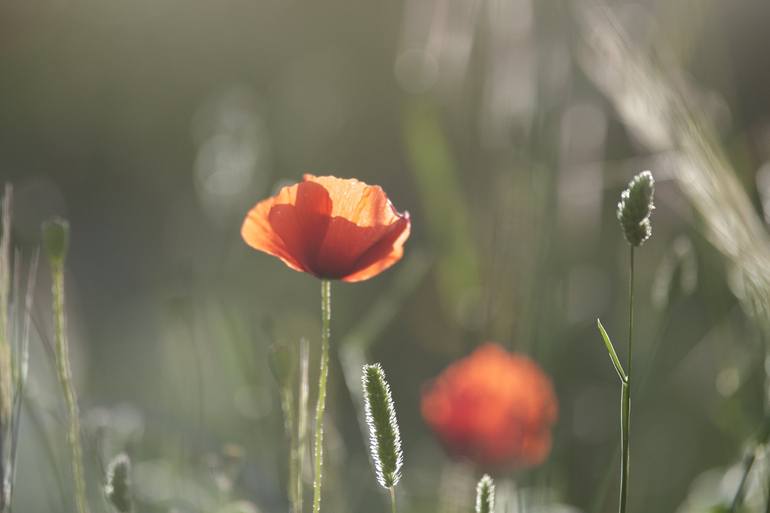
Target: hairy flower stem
column 65, row 379
column 392, row 499
column 625, row 401
column 326, row 314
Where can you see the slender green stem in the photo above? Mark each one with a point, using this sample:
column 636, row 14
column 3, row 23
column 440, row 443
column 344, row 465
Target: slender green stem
column 294, row 476
column 630, row 310
column 392, row 499
column 625, row 396
column 767, row 502
column 65, row 379
column 302, row 393
column 326, row 314
column 748, row 463
column 767, row 498
column 625, row 417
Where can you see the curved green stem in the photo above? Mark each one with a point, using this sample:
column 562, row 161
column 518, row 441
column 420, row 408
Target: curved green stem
column 65, row 379
column 326, row 314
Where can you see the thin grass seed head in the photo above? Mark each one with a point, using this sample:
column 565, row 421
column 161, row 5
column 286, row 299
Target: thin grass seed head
column 384, row 435
column 635, row 207
column 56, row 235
column 485, row 495
column 118, row 485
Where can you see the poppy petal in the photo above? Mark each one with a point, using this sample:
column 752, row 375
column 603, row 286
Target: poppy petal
column 330, row 227
column 290, row 225
column 356, row 201
column 386, row 252
column 257, row 230
column 302, row 223
column 361, row 238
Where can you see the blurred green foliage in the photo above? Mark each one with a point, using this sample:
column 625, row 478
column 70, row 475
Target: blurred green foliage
column 153, row 127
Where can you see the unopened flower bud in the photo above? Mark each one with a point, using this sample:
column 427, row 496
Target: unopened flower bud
column 56, row 234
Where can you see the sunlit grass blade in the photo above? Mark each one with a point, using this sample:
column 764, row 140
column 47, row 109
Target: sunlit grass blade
column 611, row 351
column 284, row 364
column 23, row 367
column 447, row 219
column 289, row 365
column 6, row 361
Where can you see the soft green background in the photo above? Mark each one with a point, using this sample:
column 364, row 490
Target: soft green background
column 154, row 125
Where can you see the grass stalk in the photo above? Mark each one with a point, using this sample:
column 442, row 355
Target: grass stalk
column 326, row 313
column 302, row 395
column 748, row 462
column 6, row 360
column 625, row 401
column 298, row 426
column 56, row 232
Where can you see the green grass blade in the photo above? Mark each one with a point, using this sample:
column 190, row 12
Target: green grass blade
column 611, row 351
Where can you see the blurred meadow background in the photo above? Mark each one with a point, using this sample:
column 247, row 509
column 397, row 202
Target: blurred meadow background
column 507, row 128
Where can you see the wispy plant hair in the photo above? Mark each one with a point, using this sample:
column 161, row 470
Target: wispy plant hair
column 485, row 495
column 635, row 207
column 384, row 435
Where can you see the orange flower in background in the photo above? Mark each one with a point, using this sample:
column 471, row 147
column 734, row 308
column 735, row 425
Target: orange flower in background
column 332, row 228
column 493, row 408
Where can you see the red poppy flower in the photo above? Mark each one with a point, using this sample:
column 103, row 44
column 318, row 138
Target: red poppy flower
column 332, row 228
column 493, row 408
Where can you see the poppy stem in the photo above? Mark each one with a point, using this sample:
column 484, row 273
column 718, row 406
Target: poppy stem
column 326, row 314
column 625, row 401
column 65, row 379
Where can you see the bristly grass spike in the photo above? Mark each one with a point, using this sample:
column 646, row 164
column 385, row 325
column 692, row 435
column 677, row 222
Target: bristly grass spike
column 384, row 434
column 118, row 483
column 485, row 495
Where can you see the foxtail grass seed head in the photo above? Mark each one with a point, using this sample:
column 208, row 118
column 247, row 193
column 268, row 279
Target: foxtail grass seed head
column 635, row 207
column 118, row 485
column 485, row 495
column 56, row 235
column 384, row 435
